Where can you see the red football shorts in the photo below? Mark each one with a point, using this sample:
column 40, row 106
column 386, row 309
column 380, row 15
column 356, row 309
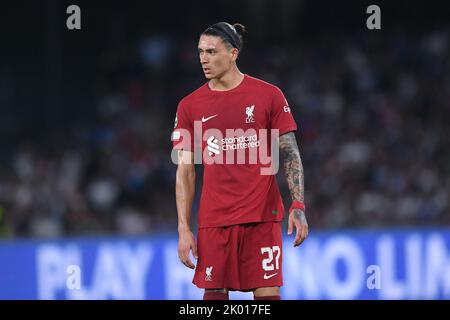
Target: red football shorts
column 240, row 257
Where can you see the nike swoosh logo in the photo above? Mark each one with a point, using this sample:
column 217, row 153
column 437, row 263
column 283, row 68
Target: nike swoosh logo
column 268, row 277
column 206, row 119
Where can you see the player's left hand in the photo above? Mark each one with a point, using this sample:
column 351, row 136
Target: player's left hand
column 297, row 218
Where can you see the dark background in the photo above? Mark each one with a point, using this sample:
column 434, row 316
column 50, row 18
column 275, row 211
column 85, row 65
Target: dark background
column 86, row 115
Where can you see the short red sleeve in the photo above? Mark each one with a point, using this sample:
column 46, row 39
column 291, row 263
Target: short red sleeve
column 281, row 115
column 183, row 133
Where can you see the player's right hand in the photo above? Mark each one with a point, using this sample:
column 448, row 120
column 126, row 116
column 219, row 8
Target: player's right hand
column 186, row 243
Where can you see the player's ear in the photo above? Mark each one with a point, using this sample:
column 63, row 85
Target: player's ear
column 234, row 54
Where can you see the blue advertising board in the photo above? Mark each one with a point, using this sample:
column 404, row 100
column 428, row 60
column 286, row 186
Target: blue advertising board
column 344, row 264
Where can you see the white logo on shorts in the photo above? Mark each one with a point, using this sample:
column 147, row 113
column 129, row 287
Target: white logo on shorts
column 208, row 273
column 266, row 276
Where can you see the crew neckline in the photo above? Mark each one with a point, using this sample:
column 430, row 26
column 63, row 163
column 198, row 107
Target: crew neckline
column 228, row 91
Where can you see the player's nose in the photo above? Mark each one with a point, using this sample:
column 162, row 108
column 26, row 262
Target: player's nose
column 203, row 59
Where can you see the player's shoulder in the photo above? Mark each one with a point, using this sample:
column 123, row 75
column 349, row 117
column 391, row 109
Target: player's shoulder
column 198, row 93
column 262, row 84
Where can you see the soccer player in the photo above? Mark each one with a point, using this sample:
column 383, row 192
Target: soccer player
column 239, row 240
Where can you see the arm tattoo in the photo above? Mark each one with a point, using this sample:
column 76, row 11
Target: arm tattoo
column 293, row 167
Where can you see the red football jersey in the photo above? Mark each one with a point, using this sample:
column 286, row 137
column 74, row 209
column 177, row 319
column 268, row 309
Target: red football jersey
column 231, row 131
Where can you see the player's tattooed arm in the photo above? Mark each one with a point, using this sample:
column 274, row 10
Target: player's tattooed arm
column 293, row 167
column 293, row 170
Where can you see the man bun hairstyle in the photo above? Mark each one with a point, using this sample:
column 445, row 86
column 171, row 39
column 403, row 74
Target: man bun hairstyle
column 240, row 29
column 230, row 34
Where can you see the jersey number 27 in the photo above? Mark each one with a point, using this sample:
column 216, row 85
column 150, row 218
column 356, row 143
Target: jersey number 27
column 267, row 263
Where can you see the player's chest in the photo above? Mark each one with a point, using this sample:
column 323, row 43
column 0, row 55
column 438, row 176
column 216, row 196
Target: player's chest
column 235, row 113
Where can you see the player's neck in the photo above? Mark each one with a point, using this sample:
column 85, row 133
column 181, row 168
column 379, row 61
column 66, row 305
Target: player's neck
column 228, row 81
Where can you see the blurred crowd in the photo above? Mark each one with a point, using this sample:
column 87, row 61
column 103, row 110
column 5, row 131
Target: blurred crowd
column 374, row 138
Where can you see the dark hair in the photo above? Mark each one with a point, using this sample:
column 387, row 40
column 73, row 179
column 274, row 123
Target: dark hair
column 230, row 34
